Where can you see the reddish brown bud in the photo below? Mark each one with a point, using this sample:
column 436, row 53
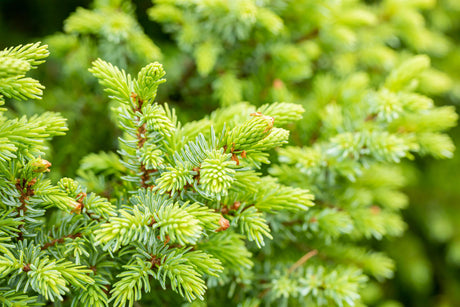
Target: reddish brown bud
column 235, row 158
column 375, row 210
column 224, row 224
column 40, row 165
column 32, row 182
column 224, row 209
column 270, row 124
column 370, row 117
column 80, row 197
column 26, row 268
column 277, row 84
column 76, row 207
column 236, row 205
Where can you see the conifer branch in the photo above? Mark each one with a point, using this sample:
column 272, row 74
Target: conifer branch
column 190, row 205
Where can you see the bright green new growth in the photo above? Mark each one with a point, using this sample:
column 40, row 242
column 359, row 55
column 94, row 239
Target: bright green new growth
column 217, row 173
column 14, row 64
column 112, row 27
column 178, row 199
column 206, row 167
column 353, row 66
column 189, row 210
column 197, row 179
column 24, row 263
column 349, row 169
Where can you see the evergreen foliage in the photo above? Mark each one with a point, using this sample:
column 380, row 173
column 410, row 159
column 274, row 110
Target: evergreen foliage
column 174, row 191
column 220, row 210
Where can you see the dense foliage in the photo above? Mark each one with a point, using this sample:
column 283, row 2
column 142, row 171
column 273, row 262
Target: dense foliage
column 211, row 204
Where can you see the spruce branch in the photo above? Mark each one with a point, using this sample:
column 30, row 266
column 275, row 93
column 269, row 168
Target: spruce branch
column 16, row 298
column 185, row 200
column 116, row 82
column 35, row 54
column 15, row 63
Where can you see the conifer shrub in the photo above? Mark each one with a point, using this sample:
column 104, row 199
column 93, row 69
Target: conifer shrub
column 274, row 194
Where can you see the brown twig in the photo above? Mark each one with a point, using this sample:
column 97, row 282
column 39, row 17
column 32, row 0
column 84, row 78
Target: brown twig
column 296, row 265
column 25, row 189
column 141, row 139
column 60, row 240
column 302, row 260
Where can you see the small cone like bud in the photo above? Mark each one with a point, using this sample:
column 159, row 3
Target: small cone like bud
column 277, row 84
column 224, row 224
column 40, row 165
column 76, row 207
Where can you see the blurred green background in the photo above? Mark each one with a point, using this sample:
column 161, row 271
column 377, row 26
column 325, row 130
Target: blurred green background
column 427, row 256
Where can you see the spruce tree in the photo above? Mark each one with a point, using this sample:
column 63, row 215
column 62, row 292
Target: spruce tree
column 171, row 189
column 220, row 210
